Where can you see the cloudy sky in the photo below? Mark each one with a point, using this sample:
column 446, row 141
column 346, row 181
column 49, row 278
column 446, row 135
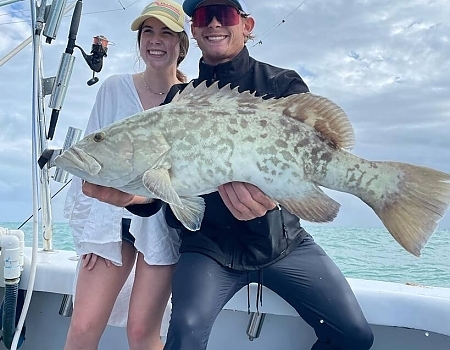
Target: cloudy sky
column 387, row 63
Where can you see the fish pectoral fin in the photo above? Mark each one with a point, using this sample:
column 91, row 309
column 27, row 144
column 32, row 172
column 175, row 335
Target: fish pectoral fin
column 157, row 182
column 191, row 214
column 314, row 206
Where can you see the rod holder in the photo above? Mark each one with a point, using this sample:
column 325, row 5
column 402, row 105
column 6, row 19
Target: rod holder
column 255, row 324
column 53, row 19
column 62, row 81
column 73, row 136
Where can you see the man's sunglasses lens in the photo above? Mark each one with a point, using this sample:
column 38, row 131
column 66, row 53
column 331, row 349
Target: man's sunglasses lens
column 226, row 15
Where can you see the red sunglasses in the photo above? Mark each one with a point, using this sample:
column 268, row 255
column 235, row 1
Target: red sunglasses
column 225, row 14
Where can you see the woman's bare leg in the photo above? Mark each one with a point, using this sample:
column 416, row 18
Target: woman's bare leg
column 96, row 293
column 151, row 291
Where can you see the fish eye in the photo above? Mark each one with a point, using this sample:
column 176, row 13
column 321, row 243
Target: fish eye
column 99, row 136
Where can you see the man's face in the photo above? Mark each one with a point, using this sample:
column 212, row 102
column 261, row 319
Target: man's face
column 220, row 31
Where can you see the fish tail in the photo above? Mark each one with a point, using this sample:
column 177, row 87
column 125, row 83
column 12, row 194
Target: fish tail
column 412, row 211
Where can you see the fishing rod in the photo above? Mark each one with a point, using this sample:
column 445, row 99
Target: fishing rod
column 65, row 69
column 95, row 59
column 280, row 23
column 99, row 50
column 56, row 193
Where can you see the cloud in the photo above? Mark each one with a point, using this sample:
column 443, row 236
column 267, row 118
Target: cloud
column 387, row 64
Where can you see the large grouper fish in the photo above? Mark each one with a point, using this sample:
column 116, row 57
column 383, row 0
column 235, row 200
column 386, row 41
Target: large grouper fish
column 288, row 147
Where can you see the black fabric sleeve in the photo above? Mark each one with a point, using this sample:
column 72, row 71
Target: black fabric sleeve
column 175, row 89
column 291, row 83
column 145, row 210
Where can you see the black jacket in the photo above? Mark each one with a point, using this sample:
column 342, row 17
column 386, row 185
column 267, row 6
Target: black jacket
column 240, row 245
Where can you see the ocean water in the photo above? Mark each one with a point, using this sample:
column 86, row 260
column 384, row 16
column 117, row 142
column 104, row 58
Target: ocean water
column 368, row 253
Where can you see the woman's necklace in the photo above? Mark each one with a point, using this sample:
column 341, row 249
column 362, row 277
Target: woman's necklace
column 148, row 88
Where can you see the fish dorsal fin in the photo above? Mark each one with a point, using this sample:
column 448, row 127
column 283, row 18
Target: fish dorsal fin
column 203, row 95
column 316, row 111
column 319, row 112
column 186, row 91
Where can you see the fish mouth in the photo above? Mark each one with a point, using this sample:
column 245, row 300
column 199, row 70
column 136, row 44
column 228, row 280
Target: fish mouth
column 76, row 160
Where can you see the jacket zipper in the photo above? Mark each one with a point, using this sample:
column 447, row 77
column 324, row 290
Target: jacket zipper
column 282, row 223
column 214, row 76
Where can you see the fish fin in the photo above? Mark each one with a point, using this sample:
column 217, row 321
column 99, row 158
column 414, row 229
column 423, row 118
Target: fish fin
column 186, row 91
column 157, row 182
column 316, row 111
column 191, row 214
column 320, row 113
column 412, row 212
column 314, row 206
column 203, row 96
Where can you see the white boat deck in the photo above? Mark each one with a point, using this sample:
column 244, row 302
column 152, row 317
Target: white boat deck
column 402, row 316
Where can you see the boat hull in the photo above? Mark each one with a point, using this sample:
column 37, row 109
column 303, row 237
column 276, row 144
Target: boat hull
column 401, row 316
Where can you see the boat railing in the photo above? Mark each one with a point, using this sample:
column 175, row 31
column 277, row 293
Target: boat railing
column 45, row 21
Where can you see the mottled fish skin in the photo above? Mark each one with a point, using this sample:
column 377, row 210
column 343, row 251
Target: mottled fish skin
column 287, row 147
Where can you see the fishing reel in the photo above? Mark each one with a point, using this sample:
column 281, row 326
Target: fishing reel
column 95, row 59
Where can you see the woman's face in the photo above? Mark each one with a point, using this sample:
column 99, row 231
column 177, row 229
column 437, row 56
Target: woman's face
column 159, row 46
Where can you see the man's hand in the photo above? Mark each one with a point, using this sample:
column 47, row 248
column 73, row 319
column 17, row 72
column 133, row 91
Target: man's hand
column 112, row 196
column 245, row 201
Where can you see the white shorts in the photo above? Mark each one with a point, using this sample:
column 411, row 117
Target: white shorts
column 158, row 243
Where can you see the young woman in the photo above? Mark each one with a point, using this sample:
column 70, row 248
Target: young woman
column 102, row 231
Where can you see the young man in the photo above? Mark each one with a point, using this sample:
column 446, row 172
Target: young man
column 244, row 237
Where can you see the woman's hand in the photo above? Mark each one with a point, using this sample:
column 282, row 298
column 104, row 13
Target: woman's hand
column 112, row 196
column 245, row 201
column 89, row 261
